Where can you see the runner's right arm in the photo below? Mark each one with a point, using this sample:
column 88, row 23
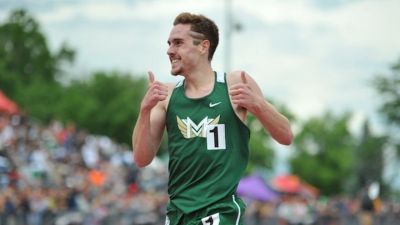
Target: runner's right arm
column 149, row 128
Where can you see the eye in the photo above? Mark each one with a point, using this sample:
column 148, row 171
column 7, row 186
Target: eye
column 178, row 42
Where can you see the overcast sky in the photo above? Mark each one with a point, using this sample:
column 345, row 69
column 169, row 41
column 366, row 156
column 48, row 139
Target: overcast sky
column 311, row 55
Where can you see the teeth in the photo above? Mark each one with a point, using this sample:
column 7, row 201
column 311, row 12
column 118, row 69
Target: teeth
column 174, row 61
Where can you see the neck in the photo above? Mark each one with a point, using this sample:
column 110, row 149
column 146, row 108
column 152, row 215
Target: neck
column 199, row 82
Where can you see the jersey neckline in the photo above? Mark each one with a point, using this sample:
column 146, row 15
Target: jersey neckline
column 202, row 97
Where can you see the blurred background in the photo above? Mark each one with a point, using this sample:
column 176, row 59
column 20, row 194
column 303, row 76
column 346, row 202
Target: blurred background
column 72, row 75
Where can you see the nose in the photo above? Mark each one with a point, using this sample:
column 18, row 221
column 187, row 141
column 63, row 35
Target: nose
column 170, row 50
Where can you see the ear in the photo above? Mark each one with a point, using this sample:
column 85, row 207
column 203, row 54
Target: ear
column 204, row 46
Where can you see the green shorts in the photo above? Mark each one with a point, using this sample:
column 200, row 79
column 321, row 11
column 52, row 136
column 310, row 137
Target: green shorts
column 226, row 212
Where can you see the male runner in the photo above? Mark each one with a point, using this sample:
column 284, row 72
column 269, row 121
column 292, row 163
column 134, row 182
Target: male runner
column 204, row 115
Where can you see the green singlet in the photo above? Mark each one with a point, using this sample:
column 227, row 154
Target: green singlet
column 208, row 149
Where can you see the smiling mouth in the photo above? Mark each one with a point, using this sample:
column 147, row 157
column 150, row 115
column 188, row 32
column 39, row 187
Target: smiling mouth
column 175, row 62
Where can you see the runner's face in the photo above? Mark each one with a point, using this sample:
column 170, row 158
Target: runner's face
column 183, row 54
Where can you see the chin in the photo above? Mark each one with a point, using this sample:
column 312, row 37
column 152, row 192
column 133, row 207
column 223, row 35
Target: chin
column 175, row 72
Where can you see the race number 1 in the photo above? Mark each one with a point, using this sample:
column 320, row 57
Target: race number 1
column 211, row 220
column 216, row 137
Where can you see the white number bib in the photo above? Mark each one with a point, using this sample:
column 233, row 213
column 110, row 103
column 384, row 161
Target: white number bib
column 215, row 135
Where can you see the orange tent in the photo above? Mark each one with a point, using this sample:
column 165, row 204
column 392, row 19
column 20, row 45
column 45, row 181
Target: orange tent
column 289, row 183
column 7, row 105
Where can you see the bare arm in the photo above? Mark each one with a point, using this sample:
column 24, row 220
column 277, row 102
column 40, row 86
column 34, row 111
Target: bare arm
column 246, row 94
column 149, row 128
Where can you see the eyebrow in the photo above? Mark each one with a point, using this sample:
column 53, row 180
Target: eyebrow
column 174, row 39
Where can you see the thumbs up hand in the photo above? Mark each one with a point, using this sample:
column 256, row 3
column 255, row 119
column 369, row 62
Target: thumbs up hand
column 156, row 92
column 242, row 94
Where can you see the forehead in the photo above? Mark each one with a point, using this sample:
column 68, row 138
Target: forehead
column 180, row 31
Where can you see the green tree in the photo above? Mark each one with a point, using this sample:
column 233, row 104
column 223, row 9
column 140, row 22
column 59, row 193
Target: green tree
column 368, row 159
column 106, row 103
column 388, row 87
column 28, row 69
column 324, row 153
column 24, row 51
column 40, row 100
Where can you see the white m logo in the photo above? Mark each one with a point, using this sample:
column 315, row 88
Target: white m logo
column 190, row 129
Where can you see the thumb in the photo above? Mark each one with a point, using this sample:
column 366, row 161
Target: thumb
column 151, row 77
column 243, row 77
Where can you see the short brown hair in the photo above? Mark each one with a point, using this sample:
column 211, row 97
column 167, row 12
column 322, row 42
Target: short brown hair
column 202, row 25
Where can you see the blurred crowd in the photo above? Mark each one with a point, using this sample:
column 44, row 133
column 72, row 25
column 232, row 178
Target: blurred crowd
column 292, row 209
column 58, row 174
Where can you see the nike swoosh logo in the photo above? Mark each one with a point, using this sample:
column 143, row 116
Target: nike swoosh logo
column 214, row 104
